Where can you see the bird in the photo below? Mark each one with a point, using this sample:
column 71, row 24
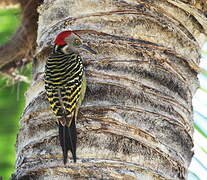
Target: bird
column 65, row 85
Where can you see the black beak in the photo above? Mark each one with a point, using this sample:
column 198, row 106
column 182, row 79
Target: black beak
column 88, row 49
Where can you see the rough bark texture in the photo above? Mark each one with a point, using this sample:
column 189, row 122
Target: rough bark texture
column 136, row 120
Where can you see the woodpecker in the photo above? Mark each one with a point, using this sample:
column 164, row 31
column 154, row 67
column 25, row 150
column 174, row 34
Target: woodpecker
column 65, row 85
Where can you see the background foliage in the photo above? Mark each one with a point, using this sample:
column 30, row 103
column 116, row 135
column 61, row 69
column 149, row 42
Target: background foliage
column 11, row 98
column 12, row 103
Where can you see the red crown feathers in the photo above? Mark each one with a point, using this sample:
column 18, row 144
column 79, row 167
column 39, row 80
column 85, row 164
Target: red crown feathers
column 60, row 37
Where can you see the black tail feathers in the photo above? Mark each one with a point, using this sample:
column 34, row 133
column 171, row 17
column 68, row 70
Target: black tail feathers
column 68, row 138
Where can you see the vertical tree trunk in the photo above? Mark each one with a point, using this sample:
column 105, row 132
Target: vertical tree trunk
column 136, row 120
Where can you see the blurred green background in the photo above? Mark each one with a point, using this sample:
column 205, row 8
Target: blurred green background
column 12, row 103
column 11, row 98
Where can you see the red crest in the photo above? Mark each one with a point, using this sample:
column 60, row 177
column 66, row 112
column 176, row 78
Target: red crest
column 60, row 37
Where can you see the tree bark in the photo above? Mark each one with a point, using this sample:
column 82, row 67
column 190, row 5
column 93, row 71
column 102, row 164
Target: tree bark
column 136, row 120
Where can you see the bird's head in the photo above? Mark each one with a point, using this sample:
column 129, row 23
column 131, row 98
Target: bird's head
column 70, row 41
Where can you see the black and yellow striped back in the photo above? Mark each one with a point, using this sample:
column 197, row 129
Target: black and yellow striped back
column 63, row 83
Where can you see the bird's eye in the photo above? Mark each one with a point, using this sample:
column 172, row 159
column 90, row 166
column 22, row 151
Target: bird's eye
column 77, row 41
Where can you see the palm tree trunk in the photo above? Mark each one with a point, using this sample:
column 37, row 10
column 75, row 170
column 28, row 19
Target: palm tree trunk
column 136, row 121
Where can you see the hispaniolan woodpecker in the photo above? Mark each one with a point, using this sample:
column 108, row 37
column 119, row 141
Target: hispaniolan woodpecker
column 65, row 85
